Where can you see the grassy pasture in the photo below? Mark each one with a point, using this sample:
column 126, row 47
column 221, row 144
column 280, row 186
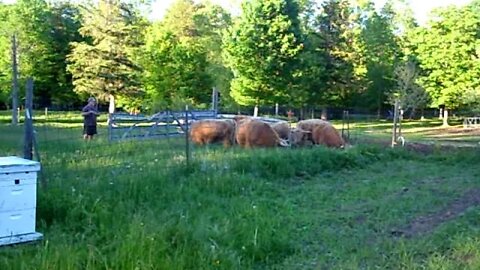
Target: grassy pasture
column 133, row 205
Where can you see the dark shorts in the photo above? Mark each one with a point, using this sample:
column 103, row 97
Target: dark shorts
column 90, row 130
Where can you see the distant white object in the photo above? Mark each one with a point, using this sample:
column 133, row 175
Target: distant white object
column 471, row 122
column 111, row 104
column 18, row 200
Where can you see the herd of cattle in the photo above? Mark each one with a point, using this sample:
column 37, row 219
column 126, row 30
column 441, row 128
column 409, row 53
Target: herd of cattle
column 250, row 132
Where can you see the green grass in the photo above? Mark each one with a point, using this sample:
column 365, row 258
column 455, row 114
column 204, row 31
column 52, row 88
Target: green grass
column 134, row 205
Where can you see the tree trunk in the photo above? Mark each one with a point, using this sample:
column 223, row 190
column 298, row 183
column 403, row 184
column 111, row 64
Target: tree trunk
column 445, row 117
column 14, row 82
column 379, row 104
column 412, row 114
column 324, row 115
column 111, row 108
column 111, row 105
column 440, row 114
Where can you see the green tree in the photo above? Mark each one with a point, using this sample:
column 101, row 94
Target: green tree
column 43, row 33
column 339, row 41
column 26, row 19
column 5, row 54
column 183, row 54
column 175, row 72
column 212, row 21
column 411, row 95
column 381, row 52
column 448, row 51
column 64, row 24
column 107, row 62
column 263, row 50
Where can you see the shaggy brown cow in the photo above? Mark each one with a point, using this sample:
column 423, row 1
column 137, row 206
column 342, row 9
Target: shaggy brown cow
column 310, row 124
column 255, row 133
column 327, row 135
column 295, row 136
column 282, row 128
column 299, row 137
column 212, row 131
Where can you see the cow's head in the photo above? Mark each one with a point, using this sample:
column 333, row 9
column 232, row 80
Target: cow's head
column 300, row 137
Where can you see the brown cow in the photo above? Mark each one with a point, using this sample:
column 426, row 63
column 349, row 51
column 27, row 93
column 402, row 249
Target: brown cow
column 295, row 136
column 300, row 137
column 255, row 133
column 212, row 131
column 327, row 135
column 310, row 124
column 282, row 128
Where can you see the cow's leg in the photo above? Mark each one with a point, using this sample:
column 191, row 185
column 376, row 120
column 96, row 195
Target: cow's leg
column 226, row 142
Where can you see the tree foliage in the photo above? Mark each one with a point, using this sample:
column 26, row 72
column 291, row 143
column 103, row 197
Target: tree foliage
column 407, row 91
column 380, row 51
column 175, row 70
column 448, row 50
column 44, row 32
column 262, row 48
column 106, row 63
column 183, row 55
column 338, row 39
column 301, row 53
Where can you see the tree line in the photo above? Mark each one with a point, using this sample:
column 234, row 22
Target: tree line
column 297, row 53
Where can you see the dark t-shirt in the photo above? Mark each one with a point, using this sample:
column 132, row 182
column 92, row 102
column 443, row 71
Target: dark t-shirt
column 90, row 119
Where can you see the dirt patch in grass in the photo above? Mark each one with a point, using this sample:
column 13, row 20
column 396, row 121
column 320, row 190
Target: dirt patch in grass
column 426, row 224
column 454, row 130
column 420, row 147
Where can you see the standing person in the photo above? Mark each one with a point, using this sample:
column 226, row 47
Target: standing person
column 90, row 113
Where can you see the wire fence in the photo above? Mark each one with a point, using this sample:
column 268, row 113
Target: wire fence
column 65, row 155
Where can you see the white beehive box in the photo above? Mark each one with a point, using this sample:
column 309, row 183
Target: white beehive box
column 18, row 200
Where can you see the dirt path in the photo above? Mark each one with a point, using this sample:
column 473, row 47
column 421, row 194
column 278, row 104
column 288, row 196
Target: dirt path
column 426, row 224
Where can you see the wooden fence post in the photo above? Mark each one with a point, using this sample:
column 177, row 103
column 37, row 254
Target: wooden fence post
column 28, row 138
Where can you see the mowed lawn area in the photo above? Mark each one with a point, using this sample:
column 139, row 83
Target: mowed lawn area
column 137, row 205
